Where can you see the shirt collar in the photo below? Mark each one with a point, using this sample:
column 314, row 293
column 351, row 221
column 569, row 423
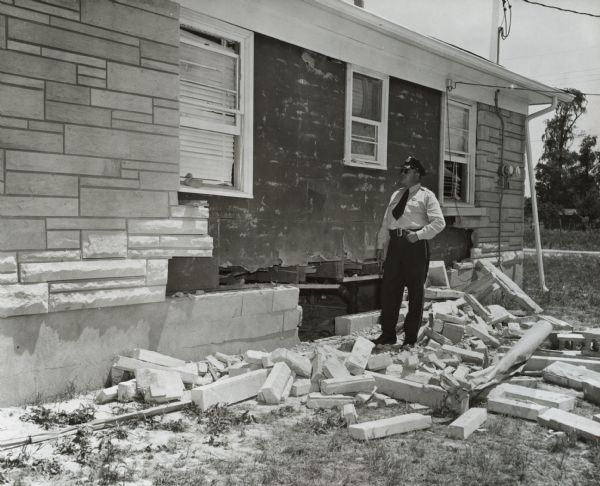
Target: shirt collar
column 414, row 187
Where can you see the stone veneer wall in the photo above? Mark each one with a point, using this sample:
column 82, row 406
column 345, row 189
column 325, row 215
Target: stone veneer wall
column 89, row 154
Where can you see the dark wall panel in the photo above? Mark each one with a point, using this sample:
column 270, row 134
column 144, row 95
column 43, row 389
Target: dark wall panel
column 306, row 202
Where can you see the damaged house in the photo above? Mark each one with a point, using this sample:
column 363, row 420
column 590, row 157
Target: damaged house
column 146, row 144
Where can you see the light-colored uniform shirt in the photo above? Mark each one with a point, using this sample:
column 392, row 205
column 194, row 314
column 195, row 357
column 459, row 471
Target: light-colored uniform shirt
column 422, row 211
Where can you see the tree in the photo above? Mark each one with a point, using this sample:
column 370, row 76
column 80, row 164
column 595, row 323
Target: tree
column 568, row 179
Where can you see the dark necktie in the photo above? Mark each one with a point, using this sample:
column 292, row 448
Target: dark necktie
column 399, row 209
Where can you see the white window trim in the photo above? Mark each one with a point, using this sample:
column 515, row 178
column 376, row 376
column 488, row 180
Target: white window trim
column 243, row 170
column 472, row 105
column 349, row 160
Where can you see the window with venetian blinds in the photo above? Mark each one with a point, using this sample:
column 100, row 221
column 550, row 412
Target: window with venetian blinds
column 210, row 116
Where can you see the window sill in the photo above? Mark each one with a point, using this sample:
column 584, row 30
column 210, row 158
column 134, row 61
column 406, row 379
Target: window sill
column 365, row 165
column 463, row 210
column 217, row 191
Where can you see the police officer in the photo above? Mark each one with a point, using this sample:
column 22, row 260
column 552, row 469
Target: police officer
column 412, row 217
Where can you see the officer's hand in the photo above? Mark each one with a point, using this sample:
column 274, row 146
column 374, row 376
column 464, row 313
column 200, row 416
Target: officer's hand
column 412, row 237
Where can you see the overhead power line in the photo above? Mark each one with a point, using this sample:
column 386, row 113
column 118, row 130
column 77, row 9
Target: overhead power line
column 554, row 7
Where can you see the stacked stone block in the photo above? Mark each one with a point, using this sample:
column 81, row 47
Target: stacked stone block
column 89, row 155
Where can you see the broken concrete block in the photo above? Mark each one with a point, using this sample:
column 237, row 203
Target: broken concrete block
column 442, row 293
column 515, row 408
column 267, row 362
column 409, row 391
column 301, row 387
column 317, row 400
column 389, row 426
column 216, row 363
column 437, row 275
column 461, row 372
column 513, row 329
column 467, row 423
column 362, row 398
column 229, row 390
column 373, row 405
column 333, row 368
column 479, row 346
column 591, row 391
column 288, row 388
column 238, row 370
column 454, row 332
column 255, row 357
column 418, row 377
column 466, row 355
column 349, row 414
column 436, row 337
column 557, row 324
column 272, row 390
column 300, row 365
column 596, row 418
column 418, row 408
column 569, row 422
column 159, row 386
column 157, row 358
column 359, row 357
column 353, row 384
column 481, row 332
column 542, row 397
column 346, row 325
column 568, row 375
column 477, row 307
column 130, row 364
column 127, row 391
column 202, row 367
column 498, row 314
column 379, row 362
column 107, row 395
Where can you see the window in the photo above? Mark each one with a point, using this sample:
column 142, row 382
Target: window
column 366, row 118
column 459, row 151
column 215, row 103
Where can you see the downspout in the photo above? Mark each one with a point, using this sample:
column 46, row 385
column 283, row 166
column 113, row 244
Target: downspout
column 534, row 208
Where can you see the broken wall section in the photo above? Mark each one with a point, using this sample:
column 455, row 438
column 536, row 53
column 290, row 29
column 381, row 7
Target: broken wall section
column 89, row 152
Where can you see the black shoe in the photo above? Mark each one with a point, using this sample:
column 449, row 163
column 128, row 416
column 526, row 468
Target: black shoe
column 382, row 340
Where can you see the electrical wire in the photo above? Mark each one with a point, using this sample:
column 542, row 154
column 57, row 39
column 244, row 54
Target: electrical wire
column 554, row 7
column 515, row 88
column 506, row 23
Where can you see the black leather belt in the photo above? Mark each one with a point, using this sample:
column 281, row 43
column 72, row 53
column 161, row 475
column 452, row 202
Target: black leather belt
column 402, row 233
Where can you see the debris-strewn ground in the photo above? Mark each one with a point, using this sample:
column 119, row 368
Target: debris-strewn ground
column 287, row 444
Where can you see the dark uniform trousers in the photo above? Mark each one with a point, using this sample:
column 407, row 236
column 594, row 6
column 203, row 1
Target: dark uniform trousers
column 406, row 265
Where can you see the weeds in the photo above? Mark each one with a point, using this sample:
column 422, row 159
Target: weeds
column 47, row 418
column 322, row 422
column 79, row 446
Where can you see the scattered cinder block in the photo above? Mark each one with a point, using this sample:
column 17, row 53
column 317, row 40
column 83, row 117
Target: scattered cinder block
column 202, row 367
column 127, row 391
column 379, row 362
column 466, row 355
column 229, row 390
column 349, row 414
column 454, row 332
column 334, row 368
column 596, row 417
column 131, row 364
column 272, row 390
column 107, row 395
column 389, row 426
column 408, row 391
column 481, row 332
column 300, row 365
column 255, row 357
column 569, row 422
column 568, row 375
column 515, row 408
column 317, row 400
column 437, row 275
column 542, row 397
column 591, row 391
column 157, row 358
column 159, row 386
column 301, row 387
column 359, row 357
column 345, row 325
column 353, row 384
column 570, row 341
column 467, row 423
column 216, row 363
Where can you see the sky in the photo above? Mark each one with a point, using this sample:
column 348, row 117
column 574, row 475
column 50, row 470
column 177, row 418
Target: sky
column 557, row 48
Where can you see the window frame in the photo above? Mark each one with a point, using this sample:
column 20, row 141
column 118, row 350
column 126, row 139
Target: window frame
column 243, row 166
column 354, row 161
column 472, row 153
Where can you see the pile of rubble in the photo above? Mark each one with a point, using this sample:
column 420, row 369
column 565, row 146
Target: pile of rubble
column 459, row 359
